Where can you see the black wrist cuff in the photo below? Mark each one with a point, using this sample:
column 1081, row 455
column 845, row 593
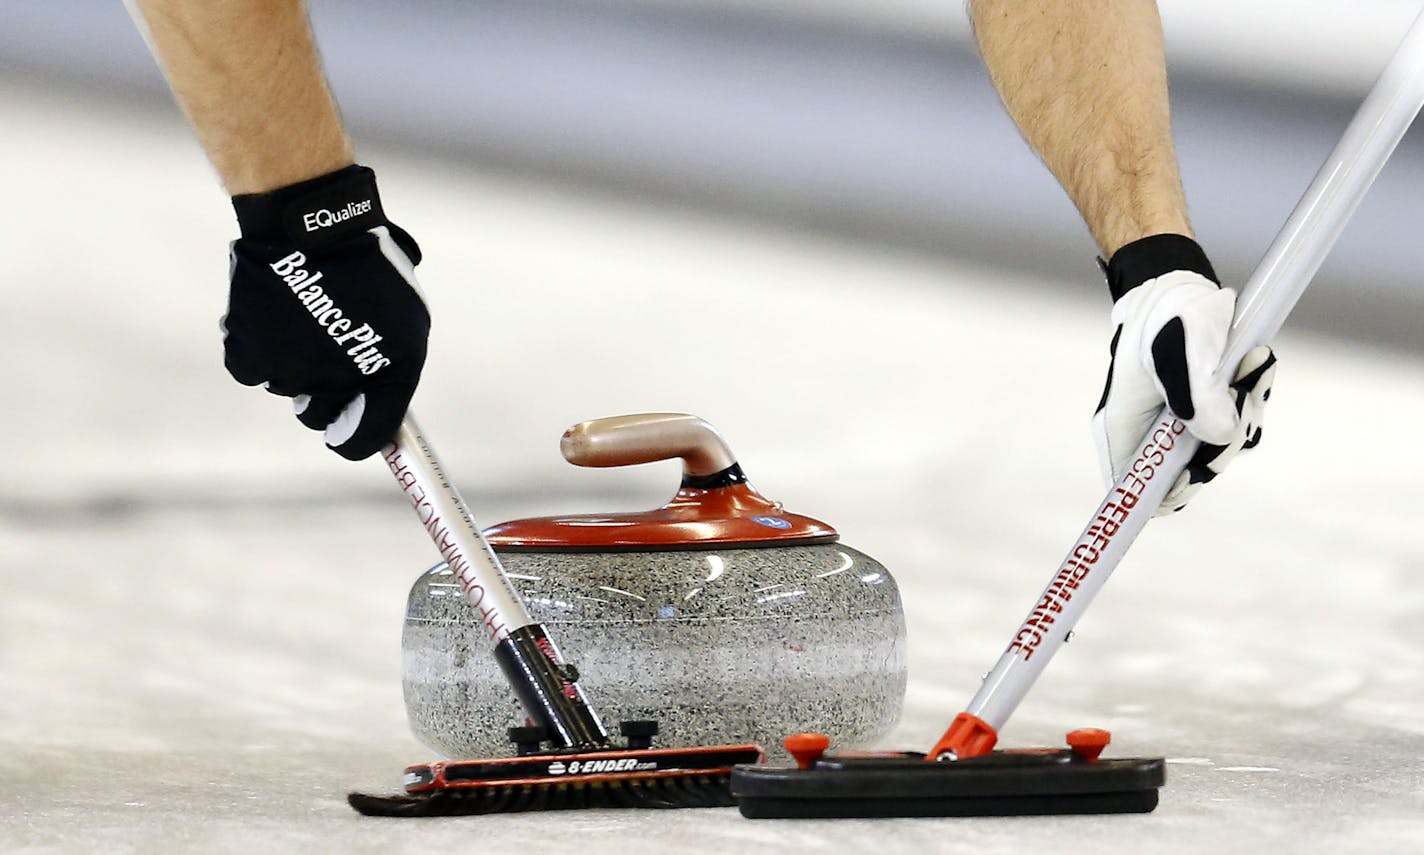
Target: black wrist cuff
column 314, row 213
column 1151, row 257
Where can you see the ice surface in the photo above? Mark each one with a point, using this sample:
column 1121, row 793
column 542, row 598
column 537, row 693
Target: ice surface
column 201, row 611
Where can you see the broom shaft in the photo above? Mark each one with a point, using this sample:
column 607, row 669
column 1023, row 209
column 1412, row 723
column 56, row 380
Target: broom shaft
column 1272, row 291
column 530, row 660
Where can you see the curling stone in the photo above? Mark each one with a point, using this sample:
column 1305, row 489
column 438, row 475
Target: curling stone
column 719, row 615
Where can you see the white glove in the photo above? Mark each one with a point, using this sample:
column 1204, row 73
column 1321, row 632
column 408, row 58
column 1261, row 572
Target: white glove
column 1172, row 319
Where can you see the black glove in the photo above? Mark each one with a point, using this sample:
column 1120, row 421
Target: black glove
column 323, row 307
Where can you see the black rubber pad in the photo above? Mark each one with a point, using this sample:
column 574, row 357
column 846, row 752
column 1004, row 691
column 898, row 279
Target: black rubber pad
column 998, row 784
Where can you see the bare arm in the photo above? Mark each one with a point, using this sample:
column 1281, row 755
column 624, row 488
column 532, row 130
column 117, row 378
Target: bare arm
column 1086, row 82
column 248, row 75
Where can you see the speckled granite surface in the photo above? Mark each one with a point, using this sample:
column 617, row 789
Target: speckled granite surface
column 721, row 646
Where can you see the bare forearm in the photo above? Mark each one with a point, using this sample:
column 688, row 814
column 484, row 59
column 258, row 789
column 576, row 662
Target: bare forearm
column 249, row 78
column 1086, row 82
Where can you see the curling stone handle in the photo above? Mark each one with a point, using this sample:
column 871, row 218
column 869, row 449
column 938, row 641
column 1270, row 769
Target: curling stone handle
column 648, row 437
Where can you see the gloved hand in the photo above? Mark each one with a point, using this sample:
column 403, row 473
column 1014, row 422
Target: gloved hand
column 1172, row 320
column 323, row 307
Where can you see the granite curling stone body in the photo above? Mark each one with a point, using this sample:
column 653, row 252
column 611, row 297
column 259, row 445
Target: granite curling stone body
column 720, row 615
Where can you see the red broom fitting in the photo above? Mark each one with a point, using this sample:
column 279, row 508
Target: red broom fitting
column 807, row 748
column 1088, row 742
column 968, row 736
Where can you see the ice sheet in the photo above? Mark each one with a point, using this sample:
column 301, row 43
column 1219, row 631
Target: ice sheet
column 199, row 633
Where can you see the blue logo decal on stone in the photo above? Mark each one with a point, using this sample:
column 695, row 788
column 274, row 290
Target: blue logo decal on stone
column 772, row 522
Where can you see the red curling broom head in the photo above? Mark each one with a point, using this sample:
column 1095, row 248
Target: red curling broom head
column 564, row 780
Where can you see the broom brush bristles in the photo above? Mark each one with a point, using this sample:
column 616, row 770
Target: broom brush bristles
column 712, row 789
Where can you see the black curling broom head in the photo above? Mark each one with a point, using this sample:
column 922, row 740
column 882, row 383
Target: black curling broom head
column 566, row 780
column 1023, row 782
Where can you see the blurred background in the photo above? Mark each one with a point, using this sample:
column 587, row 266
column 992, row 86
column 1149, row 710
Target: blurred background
column 808, row 221
column 868, row 122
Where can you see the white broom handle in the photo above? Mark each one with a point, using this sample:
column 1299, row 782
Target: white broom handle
column 448, row 522
column 1292, row 261
column 1322, row 213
